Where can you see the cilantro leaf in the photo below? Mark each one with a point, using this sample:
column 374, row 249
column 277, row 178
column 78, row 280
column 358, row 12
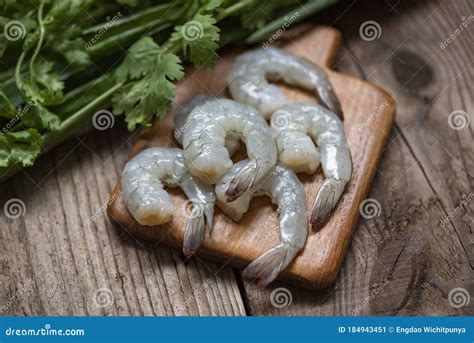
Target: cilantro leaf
column 70, row 45
column 198, row 38
column 150, row 96
column 43, row 86
column 139, row 61
column 39, row 117
column 21, row 147
column 7, row 110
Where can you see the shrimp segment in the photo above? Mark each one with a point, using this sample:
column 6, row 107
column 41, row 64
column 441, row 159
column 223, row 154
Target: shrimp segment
column 248, row 83
column 286, row 191
column 204, row 142
column 143, row 179
column 327, row 131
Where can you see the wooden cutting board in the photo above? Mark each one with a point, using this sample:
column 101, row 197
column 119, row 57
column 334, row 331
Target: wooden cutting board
column 369, row 113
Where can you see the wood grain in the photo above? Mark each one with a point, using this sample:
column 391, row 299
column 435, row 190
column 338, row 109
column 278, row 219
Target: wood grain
column 63, row 257
column 368, row 120
column 401, row 262
column 405, row 261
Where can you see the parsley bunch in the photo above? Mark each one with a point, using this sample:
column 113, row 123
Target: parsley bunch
column 61, row 61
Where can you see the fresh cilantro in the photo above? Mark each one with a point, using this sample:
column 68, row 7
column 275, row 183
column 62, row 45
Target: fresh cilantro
column 153, row 91
column 39, row 117
column 198, row 39
column 52, row 77
column 20, row 147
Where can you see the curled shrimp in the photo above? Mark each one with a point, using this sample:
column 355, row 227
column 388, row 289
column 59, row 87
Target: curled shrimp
column 325, row 128
column 247, row 80
column 287, row 192
column 204, row 144
column 232, row 140
column 143, row 179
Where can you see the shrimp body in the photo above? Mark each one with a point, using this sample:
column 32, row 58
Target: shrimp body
column 287, row 192
column 143, row 180
column 204, row 144
column 248, row 80
column 232, row 140
column 325, row 128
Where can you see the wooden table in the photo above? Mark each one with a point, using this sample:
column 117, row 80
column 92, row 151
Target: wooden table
column 64, row 257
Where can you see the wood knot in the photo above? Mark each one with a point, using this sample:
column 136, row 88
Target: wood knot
column 411, row 71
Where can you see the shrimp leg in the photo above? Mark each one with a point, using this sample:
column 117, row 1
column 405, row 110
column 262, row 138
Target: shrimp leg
column 327, row 131
column 143, row 181
column 249, row 76
column 286, row 191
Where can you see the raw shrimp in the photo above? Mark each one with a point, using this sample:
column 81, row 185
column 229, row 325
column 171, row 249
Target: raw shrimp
column 143, row 179
column 204, row 139
column 232, row 140
column 327, row 131
column 286, row 191
column 247, row 80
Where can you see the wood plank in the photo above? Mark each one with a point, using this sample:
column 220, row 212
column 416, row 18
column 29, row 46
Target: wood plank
column 405, row 261
column 57, row 257
column 238, row 244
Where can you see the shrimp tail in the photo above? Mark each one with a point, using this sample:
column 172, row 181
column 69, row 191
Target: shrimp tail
column 326, row 200
column 242, row 181
column 267, row 267
column 209, row 214
column 195, row 227
column 327, row 97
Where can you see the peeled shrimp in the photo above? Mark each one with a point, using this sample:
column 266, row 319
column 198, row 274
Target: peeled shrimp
column 206, row 155
column 232, row 140
column 143, row 179
column 286, row 191
column 247, row 80
column 298, row 152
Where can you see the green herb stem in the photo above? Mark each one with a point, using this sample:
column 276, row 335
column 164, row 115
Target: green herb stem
column 130, row 21
column 77, row 120
column 126, row 38
column 40, row 43
column 300, row 13
column 239, row 6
